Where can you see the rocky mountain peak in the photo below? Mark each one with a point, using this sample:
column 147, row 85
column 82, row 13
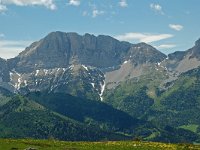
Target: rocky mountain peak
column 144, row 53
column 197, row 43
column 195, row 51
column 60, row 49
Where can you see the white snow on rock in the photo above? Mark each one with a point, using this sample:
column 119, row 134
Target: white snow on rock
column 125, row 62
column 18, row 84
column 64, row 69
column 92, row 85
column 85, row 67
column 45, row 72
column 102, row 90
column 37, row 72
column 11, row 76
column 71, row 67
column 25, row 82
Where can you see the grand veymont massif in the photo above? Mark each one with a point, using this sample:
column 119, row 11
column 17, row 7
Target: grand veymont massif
column 75, row 87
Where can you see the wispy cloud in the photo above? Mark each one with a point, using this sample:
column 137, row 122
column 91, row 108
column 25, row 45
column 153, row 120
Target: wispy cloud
column 143, row 37
column 123, row 3
column 85, row 13
column 157, row 8
column 2, row 35
column 74, row 2
column 165, row 46
column 176, row 27
column 47, row 3
column 97, row 12
column 9, row 49
column 3, row 8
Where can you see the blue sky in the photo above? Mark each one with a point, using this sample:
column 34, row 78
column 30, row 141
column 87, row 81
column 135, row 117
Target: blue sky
column 169, row 25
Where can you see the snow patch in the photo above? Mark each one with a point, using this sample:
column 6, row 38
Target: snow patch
column 71, row 67
column 45, row 72
column 85, row 67
column 25, row 82
column 36, row 82
column 11, row 74
column 102, row 90
column 92, row 85
column 125, row 62
column 37, row 72
column 64, row 69
column 19, row 82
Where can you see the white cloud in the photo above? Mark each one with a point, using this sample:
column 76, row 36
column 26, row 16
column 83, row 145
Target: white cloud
column 165, row 46
column 47, row 3
column 143, row 37
column 3, row 8
column 74, row 2
column 96, row 12
column 123, row 3
column 176, row 27
column 157, row 8
column 10, row 49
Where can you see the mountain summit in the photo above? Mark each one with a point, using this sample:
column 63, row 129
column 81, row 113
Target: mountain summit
column 59, row 49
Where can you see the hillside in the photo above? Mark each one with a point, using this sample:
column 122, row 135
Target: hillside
column 22, row 117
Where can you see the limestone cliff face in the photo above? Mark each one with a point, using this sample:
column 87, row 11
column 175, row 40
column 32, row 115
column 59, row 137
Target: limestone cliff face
column 182, row 61
column 4, row 71
column 143, row 53
column 60, row 49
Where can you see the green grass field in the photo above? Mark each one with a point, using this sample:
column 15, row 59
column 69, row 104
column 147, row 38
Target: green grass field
column 29, row 144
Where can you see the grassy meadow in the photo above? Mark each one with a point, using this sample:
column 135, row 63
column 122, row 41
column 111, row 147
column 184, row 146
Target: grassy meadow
column 29, row 144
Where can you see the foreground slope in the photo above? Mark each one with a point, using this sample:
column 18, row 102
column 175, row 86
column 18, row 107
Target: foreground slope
column 22, row 117
column 59, row 145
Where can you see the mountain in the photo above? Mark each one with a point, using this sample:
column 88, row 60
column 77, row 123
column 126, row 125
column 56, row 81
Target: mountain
column 86, row 83
column 60, row 50
column 85, row 62
column 183, row 61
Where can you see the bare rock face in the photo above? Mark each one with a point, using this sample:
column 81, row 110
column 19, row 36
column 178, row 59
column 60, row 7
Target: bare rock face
column 4, row 71
column 197, row 43
column 60, row 49
column 182, row 61
column 143, row 53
